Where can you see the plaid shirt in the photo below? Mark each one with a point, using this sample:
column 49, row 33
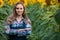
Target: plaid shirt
column 15, row 26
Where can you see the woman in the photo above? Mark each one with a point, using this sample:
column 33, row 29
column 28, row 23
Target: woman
column 18, row 25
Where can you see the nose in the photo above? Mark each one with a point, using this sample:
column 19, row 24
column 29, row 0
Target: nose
column 19, row 9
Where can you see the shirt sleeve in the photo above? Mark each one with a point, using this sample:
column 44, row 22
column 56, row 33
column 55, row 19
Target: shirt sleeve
column 28, row 25
column 7, row 27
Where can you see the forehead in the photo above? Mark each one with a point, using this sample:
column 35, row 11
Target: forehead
column 19, row 5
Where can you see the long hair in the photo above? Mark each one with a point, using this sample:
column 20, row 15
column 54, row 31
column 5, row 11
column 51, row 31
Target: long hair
column 14, row 14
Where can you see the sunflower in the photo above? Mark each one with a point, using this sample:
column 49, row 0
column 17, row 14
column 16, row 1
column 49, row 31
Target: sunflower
column 10, row 2
column 52, row 2
column 43, row 4
column 18, row 0
column 40, row 1
column 15, row 1
column 33, row 1
column 24, row 2
column 43, row 1
column 58, row 1
column 1, row 3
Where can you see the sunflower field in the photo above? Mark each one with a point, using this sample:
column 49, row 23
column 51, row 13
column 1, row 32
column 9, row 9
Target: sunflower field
column 44, row 15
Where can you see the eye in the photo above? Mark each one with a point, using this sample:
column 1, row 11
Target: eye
column 17, row 8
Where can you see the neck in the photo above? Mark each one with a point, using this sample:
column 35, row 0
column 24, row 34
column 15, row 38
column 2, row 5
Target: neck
column 19, row 16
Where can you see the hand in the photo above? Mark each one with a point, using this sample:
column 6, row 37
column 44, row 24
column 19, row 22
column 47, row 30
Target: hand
column 8, row 29
column 21, row 30
column 27, row 29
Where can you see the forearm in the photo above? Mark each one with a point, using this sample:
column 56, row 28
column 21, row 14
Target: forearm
column 27, row 29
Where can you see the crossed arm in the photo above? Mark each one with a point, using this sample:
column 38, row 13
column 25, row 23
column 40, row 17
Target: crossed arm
column 28, row 28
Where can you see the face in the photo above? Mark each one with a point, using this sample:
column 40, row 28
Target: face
column 19, row 9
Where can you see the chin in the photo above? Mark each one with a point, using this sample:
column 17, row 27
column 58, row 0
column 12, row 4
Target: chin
column 19, row 13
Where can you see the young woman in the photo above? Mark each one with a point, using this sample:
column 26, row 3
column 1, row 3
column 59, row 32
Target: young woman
column 18, row 25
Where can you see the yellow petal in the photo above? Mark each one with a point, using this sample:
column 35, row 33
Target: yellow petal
column 24, row 2
column 1, row 3
column 10, row 3
column 53, row 2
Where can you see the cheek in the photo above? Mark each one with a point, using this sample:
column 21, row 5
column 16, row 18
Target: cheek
column 19, row 10
column 22, row 10
column 16, row 10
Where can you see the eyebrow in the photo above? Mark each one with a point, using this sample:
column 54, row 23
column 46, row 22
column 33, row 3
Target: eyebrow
column 19, row 8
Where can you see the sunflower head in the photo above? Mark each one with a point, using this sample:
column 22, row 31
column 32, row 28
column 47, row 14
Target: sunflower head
column 15, row 1
column 24, row 2
column 43, row 4
column 1, row 3
column 10, row 2
column 53, row 2
column 59, row 1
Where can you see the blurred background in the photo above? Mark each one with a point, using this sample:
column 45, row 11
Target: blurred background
column 44, row 15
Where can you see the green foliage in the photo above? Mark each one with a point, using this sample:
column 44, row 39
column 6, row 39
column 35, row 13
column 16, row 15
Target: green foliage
column 57, row 16
column 44, row 26
column 45, row 23
column 4, row 13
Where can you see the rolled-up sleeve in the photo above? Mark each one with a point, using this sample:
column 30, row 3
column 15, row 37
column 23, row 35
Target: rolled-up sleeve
column 7, row 28
column 29, row 26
